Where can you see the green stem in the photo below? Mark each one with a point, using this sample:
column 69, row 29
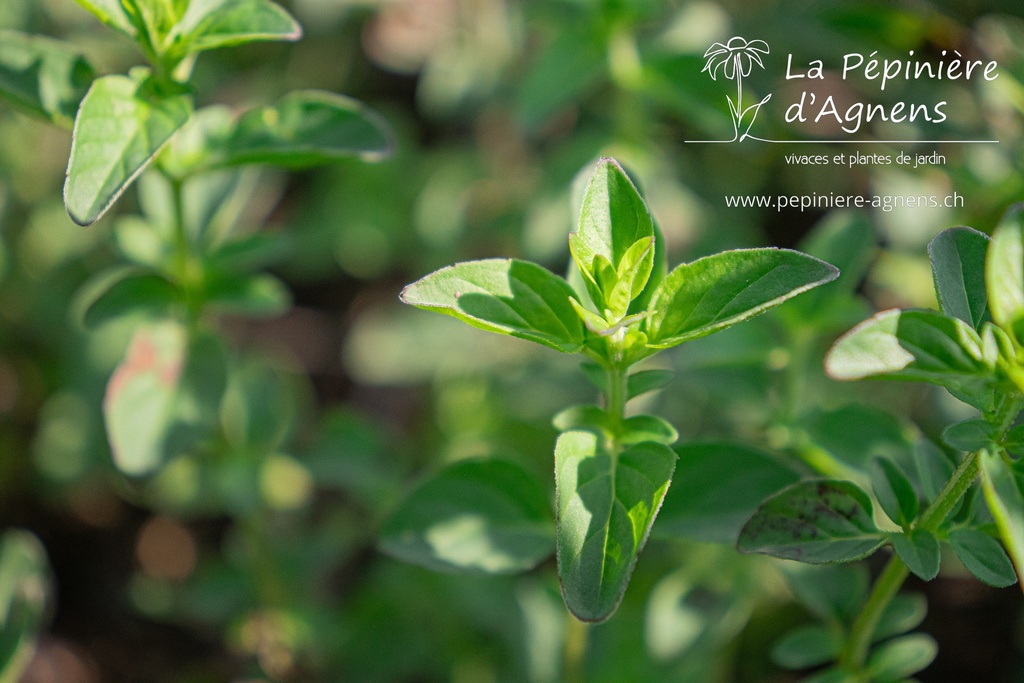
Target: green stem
column 617, row 393
column 855, row 653
column 576, row 633
column 184, row 268
column 895, row 573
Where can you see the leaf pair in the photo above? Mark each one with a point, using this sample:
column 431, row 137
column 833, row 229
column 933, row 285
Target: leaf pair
column 613, row 249
column 176, row 28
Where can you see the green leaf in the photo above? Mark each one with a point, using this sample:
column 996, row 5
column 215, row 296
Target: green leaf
column 124, row 291
column 834, row 593
column 154, row 19
column 212, row 24
column 606, row 505
column 260, row 406
column 894, row 491
column 718, row 291
column 257, row 296
column 807, row 646
column 958, row 270
column 24, row 579
column 717, row 488
column 506, row 296
column 904, row 613
column 305, row 128
column 1004, row 271
column 969, row 435
column 588, row 418
column 901, row 657
column 919, row 550
column 640, row 383
column 122, row 123
column 640, row 428
column 615, row 228
column 1006, row 503
column 934, row 468
column 856, row 433
column 914, row 345
column 475, row 516
column 140, row 396
column 43, row 76
column 111, row 13
column 1014, row 440
column 817, row 522
column 983, row 556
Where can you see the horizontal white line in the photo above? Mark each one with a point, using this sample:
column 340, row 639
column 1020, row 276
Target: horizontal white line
column 852, row 142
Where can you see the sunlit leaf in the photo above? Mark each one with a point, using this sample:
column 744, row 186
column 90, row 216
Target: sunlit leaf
column 616, row 226
column 715, row 292
column 512, row 297
column 475, row 516
column 1005, row 498
column 121, row 125
column 306, row 128
column 606, row 505
column 139, row 401
column 914, row 345
column 111, row 13
column 1004, row 271
column 211, row 24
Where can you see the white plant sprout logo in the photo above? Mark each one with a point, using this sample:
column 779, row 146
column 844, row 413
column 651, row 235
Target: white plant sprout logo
column 735, row 59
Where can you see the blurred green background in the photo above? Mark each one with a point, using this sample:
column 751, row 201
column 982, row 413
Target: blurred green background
column 261, row 564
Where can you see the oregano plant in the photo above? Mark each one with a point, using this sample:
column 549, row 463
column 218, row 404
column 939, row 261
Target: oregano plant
column 612, row 468
column 200, row 427
column 973, row 349
column 187, row 257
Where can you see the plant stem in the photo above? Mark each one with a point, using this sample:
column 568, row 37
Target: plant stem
column 576, row 633
column 617, row 393
column 855, row 653
column 183, row 257
column 895, row 573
